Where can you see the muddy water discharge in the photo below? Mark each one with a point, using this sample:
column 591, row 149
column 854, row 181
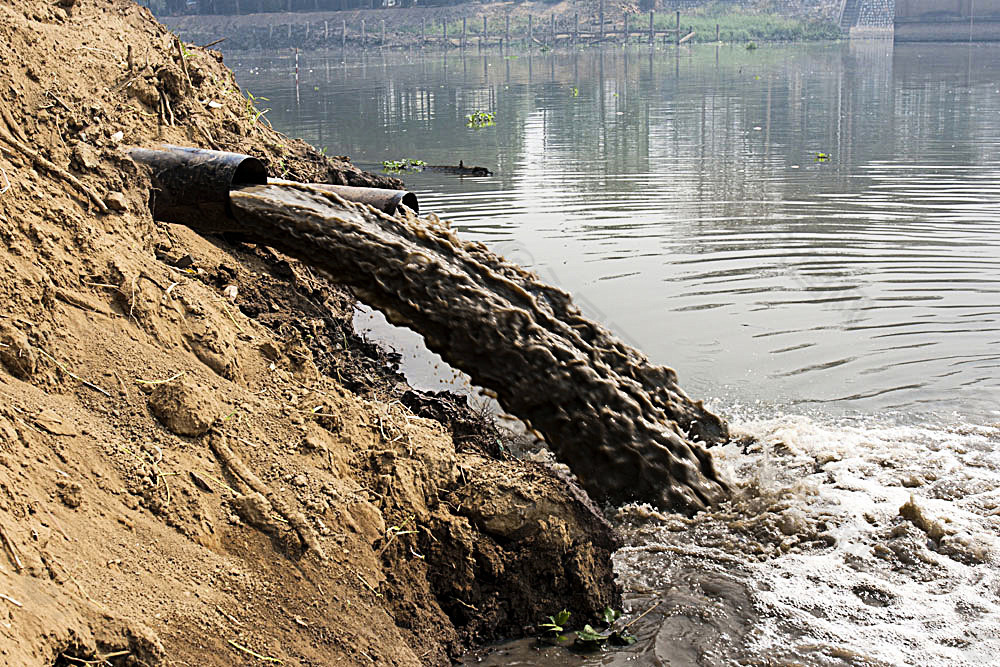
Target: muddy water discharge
column 622, row 425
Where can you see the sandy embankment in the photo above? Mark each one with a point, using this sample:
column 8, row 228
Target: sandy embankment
column 125, row 531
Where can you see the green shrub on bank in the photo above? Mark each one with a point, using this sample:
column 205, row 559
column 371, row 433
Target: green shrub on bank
column 738, row 26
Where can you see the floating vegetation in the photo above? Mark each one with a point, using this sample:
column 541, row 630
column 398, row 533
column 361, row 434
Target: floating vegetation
column 480, row 119
column 822, row 157
column 589, row 638
column 751, row 46
column 396, row 166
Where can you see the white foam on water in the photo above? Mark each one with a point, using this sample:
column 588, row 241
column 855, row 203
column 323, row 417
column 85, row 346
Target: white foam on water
column 910, row 516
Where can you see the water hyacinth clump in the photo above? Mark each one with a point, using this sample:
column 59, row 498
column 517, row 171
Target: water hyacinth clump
column 480, row 119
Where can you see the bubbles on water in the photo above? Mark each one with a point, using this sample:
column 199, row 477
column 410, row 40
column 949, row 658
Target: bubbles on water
column 860, row 543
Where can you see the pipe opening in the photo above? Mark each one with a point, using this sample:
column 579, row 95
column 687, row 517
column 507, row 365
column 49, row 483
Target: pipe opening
column 250, row 172
column 409, row 200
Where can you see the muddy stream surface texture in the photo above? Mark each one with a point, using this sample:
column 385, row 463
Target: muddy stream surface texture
column 808, row 234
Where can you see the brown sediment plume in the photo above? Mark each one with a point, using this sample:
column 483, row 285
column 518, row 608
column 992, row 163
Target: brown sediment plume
column 622, row 424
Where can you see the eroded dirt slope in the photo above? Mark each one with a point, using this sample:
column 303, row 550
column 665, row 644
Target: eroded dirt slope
column 199, row 461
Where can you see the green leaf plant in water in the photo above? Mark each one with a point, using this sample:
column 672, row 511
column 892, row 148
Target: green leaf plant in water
column 480, row 119
column 396, row 166
column 555, row 625
column 589, row 638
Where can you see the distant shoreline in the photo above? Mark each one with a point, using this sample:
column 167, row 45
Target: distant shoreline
column 507, row 24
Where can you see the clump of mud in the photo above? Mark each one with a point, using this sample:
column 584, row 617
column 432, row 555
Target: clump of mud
column 328, row 523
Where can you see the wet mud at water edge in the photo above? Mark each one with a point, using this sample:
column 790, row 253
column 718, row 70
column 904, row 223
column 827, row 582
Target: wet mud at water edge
column 622, row 425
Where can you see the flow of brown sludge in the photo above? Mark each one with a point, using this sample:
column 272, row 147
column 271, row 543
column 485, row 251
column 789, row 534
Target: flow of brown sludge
column 620, row 423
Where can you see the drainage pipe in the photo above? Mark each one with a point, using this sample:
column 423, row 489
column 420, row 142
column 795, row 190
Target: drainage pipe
column 387, row 201
column 191, row 186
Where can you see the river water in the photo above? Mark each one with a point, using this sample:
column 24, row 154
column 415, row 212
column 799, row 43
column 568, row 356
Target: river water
column 810, row 235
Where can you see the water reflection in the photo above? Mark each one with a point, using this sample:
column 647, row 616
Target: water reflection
column 684, row 198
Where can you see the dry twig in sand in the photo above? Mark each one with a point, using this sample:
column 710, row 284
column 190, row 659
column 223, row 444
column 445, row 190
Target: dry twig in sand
column 71, row 373
column 265, row 658
column 10, row 549
column 10, row 600
column 184, row 65
column 217, row 441
column 169, row 379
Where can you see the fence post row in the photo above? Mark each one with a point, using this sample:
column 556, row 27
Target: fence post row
column 554, row 35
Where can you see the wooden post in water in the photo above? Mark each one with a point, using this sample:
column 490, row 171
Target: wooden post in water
column 486, row 36
column 343, row 33
column 270, row 35
column 462, row 43
column 307, row 31
column 422, row 38
column 651, row 33
column 677, row 35
column 444, row 32
column 382, row 43
column 289, row 26
column 552, row 31
column 717, row 33
column 625, row 30
column 530, row 38
column 364, row 35
column 600, row 18
column 506, row 29
column 326, row 32
column 576, row 28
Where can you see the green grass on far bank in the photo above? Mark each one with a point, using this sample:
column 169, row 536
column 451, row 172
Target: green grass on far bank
column 735, row 26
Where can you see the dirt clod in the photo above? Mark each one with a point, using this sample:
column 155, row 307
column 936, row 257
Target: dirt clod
column 256, row 511
column 116, row 201
column 184, row 407
column 70, row 493
column 16, row 353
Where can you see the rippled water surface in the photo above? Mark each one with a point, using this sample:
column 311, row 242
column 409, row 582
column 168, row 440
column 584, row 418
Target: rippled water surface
column 810, row 235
